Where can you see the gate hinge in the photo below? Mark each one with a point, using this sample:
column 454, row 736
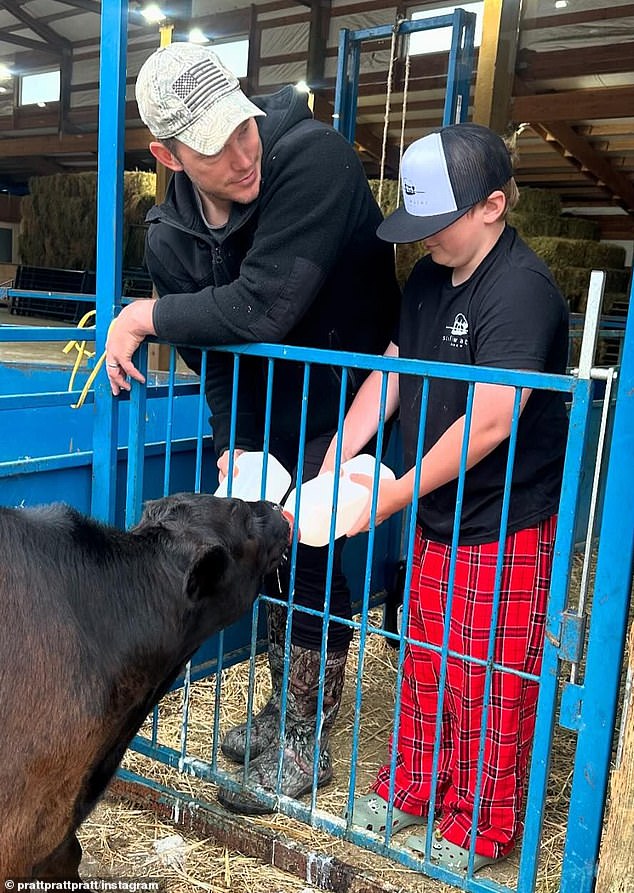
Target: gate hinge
column 570, row 706
column 570, row 649
column 571, row 637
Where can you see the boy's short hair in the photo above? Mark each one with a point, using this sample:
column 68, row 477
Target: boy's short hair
column 444, row 174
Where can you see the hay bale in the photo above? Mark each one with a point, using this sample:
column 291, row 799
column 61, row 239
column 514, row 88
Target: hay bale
column 59, row 219
column 559, row 252
column 600, row 255
column 609, row 299
column 572, row 227
column 539, row 202
column 390, row 199
column 535, row 224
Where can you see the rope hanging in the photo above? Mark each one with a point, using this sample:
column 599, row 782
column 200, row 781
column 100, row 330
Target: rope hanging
column 386, row 116
column 401, row 147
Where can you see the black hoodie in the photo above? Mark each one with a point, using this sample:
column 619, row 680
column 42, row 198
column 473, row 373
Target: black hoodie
column 299, row 265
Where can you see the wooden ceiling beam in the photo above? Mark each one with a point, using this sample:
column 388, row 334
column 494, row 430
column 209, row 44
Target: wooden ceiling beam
column 29, row 146
column 578, row 17
column 612, row 58
column 593, row 165
column 577, row 105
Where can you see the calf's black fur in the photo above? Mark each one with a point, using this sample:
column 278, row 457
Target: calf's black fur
column 95, row 624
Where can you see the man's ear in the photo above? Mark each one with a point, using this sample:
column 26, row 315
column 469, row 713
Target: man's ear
column 163, row 154
column 205, row 572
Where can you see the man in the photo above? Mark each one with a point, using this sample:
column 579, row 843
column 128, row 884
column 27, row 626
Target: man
column 267, row 233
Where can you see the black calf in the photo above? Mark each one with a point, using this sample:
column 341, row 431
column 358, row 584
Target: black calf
column 95, row 624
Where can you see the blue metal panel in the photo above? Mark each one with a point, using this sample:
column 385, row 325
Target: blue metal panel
column 112, row 79
column 613, row 582
column 459, row 70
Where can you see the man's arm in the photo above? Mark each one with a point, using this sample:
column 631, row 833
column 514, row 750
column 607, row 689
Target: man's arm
column 491, row 420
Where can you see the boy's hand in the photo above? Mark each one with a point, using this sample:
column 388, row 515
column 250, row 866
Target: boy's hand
column 389, row 501
column 223, row 464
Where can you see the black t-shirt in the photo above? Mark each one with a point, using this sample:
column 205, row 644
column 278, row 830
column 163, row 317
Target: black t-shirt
column 508, row 314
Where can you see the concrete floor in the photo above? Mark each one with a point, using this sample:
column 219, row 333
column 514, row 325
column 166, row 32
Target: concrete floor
column 33, row 352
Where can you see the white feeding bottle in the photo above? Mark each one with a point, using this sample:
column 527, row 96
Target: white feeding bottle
column 247, row 478
column 317, row 500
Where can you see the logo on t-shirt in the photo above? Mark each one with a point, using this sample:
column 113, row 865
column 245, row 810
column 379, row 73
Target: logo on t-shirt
column 459, row 332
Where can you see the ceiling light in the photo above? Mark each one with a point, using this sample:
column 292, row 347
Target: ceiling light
column 561, row 4
column 153, row 14
column 196, row 35
column 302, row 87
column 5, row 72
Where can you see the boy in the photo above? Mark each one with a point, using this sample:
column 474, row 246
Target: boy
column 480, row 297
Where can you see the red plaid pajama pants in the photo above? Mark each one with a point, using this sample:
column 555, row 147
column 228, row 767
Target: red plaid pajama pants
column 511, row 715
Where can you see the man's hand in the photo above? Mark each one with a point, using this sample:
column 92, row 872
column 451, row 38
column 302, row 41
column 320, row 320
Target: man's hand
column 127, row 331
column 392, row 497
column 223, row 464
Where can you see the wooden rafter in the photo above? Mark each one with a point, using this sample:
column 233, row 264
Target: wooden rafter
column 584, row 158
column 603, row 102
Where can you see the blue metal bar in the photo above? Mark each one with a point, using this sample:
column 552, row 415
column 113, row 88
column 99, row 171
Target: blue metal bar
column 201, row 421
column 303, row 421
column 405, row 366
column 339, row 118
column 328, row 588
column 234, row 418
column 112, row 89
column 29, row 334
column 255, row 613
column 460, row 68
column 499, row 566
column 38, row 401
column 136, row 443
column 613, row 582
column 364, row 611
column 444, row 658
column 49, row 295
column 169, row 422
column 403, row 637
column 560, row 576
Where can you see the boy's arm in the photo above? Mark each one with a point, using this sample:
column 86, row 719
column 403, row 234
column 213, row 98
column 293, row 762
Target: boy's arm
column 362, row 419
column 490, row 424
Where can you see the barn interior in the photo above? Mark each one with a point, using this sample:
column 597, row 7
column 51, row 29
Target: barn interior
column 554, row 76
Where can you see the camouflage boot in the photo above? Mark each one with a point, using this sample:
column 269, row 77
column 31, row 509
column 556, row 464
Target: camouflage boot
column 299, row 739
column 265, row 725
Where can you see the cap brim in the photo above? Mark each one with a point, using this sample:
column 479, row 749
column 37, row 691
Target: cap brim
column 403, row 227
column 210, row 132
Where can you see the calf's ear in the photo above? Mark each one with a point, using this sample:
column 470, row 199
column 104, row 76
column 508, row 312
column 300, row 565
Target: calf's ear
column 206, row 571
